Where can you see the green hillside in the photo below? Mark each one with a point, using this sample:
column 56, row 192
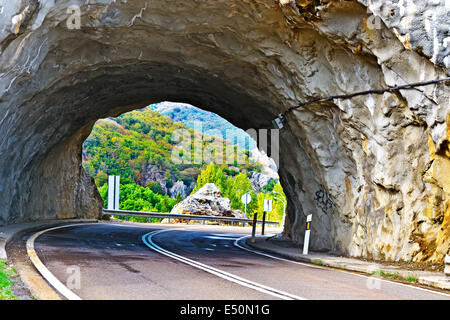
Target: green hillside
column 192, row 117
column 129, row 144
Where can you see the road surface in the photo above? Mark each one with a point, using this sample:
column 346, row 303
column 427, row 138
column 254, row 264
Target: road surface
column 111, row 261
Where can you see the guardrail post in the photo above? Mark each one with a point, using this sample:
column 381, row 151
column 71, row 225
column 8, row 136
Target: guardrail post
column 263, row 223
column 254, row 227
column 447, row 265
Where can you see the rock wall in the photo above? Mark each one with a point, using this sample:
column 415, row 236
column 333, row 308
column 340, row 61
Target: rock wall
column 373, row 170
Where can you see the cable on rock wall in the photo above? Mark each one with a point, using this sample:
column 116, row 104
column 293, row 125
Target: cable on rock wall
column 279, row 121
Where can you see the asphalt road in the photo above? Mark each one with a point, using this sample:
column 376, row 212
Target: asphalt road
column 136, row 262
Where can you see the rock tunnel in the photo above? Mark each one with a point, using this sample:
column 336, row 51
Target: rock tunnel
column 374, row 171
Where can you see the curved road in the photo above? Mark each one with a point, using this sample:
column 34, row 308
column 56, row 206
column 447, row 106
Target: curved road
column 136, row 262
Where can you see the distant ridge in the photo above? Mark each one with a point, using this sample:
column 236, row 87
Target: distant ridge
column 189, row 115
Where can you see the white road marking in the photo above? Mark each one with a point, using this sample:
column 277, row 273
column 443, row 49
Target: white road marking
column 229, row 235
column 148, row 241
column 219, row 238
column 43, row 270
column 236, row 243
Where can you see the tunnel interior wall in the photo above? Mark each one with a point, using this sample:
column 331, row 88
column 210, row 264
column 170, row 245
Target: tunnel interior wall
column 373, row 170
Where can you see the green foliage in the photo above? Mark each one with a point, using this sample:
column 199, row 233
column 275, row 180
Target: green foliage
column 178, row 199
column 269, row 187
column 5, row 281
column 234, row 187
column 129, row 144
column 126, row 145
column 395, row 276
column 231, row 187
column 137, row 198
column 278, row 203
column 155, row 187
column 318, row 262
column 193, row 118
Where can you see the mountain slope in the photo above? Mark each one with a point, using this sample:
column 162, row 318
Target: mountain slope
column 203, row 121
column 138, row 146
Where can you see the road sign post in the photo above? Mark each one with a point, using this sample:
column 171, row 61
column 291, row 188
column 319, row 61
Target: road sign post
column 246, row 198
column 307, row 234
column 113, row 192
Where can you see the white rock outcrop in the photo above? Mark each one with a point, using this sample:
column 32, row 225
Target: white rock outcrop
column 207, row 201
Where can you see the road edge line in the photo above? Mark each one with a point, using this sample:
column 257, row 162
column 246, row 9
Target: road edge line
column 354, row 272
column 43, row 270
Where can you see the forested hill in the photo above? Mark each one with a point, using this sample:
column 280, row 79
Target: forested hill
column 190, row 116
column 138, row 146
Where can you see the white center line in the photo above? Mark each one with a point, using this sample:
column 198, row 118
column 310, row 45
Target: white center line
column 148, row 241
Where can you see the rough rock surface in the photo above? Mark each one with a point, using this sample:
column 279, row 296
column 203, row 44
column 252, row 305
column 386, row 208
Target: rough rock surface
column 269, row 167
column 180, row 188
column 373, row 170
column 153, row 174
column 207, row 201
column 259, row 180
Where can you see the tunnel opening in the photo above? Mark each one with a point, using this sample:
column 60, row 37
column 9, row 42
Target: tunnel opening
column 145, row 149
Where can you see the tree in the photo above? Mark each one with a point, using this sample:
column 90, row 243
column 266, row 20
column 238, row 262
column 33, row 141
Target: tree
column 179, row 198
column 269, row 187
column 155, row 186
column 241, row 184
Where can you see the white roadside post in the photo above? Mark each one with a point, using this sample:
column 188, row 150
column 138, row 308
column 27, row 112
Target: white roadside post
column 113, row 192
column 307, row 234
column 447, row 265
column 267, row 209
column 246, row 198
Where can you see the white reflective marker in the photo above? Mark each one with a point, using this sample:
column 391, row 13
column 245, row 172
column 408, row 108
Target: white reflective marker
column 307, row 234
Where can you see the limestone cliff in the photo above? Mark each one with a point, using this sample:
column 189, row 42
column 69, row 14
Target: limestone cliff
column 373, row 170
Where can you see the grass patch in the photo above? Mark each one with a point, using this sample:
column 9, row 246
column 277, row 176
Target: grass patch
column 412, row 279
column 318, row 262
column 395, row 276
column 6, row 272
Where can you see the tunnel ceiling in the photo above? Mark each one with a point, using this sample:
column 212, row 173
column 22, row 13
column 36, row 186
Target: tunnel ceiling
column 373, row 170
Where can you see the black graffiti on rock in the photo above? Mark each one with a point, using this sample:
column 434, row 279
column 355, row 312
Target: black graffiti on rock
column 323, row 200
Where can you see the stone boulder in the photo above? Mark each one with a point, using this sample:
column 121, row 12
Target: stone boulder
column 207, row 201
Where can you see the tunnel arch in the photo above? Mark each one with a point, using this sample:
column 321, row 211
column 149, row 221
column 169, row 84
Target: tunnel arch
column 246, row 61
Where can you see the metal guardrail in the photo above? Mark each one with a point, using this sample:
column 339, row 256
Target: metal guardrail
column 187, row 217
